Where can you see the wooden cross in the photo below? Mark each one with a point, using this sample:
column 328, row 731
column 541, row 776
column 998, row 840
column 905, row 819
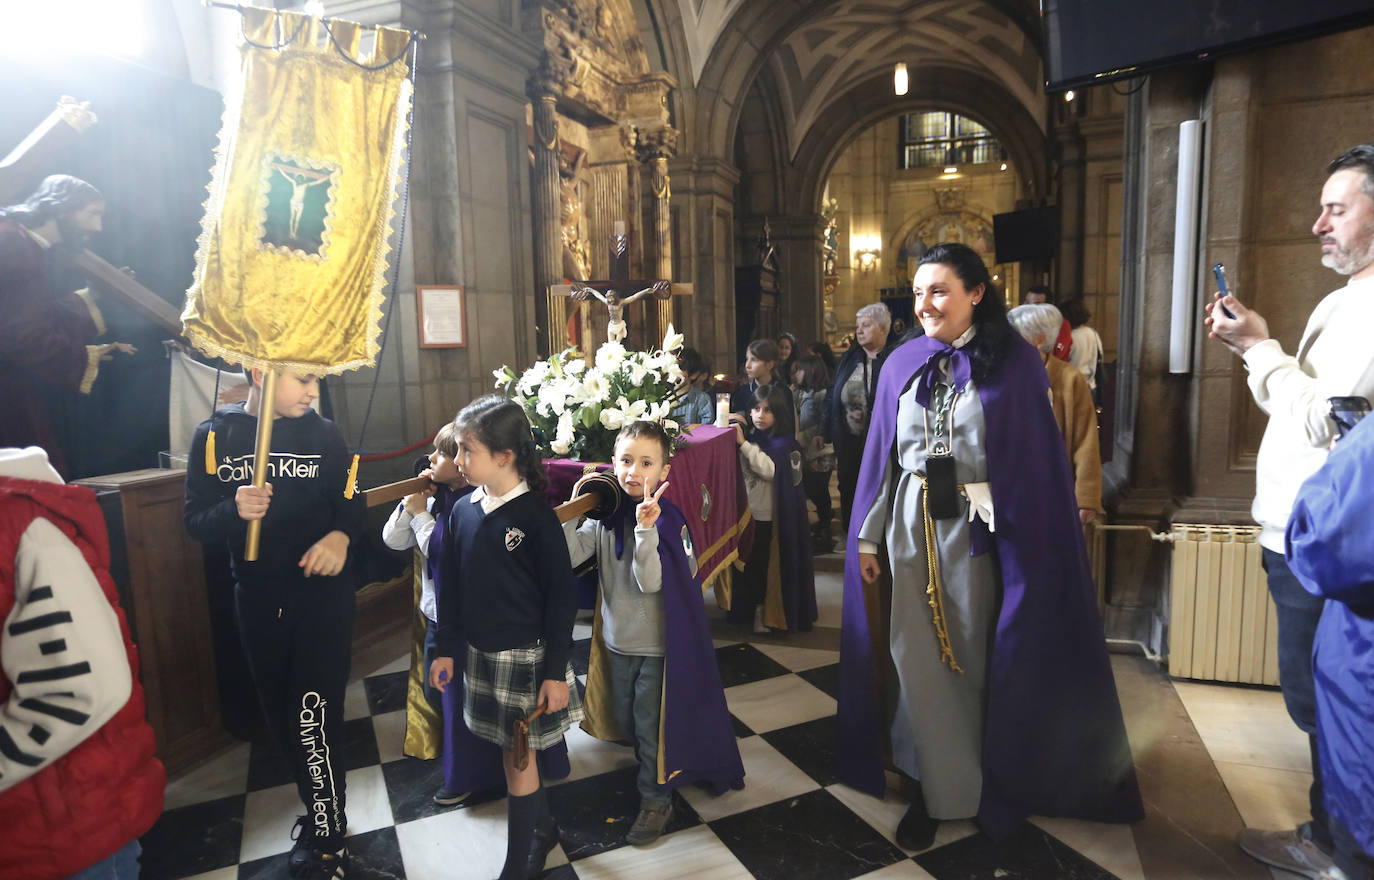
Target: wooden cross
column 616, row 292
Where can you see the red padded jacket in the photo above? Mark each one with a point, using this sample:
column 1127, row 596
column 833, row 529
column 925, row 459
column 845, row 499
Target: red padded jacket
column 107, row 790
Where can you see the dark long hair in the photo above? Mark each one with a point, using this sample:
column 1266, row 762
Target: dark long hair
column 784, row 420
column 814, row 375
column 499, row 423
column 990, row 344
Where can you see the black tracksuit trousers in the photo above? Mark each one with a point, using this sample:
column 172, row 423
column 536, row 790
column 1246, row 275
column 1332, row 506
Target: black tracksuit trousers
column 298, row 640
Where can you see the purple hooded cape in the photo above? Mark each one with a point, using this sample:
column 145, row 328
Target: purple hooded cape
column 1054, row 741
column 698, row 743
column 471, row 763
column 791, row 533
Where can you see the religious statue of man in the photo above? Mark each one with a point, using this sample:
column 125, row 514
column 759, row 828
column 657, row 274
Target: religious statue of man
column 46, row 339
column 576, row 265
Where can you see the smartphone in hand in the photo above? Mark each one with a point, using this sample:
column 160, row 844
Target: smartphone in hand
column 1219, row 271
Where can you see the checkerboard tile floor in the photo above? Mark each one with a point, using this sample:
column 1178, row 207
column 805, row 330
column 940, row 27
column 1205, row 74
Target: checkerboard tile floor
column 231, row 818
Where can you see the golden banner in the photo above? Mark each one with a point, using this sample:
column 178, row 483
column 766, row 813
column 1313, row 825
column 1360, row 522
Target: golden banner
column 292, row 255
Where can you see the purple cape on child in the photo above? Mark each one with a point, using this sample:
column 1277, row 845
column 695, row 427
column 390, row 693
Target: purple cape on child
column 791, row 569
column 697, row 744
column 1054, row 739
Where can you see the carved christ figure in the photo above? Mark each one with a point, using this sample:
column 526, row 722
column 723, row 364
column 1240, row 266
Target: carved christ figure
column 615, row 304
column 300, row 181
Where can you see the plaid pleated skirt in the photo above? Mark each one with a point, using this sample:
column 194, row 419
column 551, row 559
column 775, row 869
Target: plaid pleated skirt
column 503, row 687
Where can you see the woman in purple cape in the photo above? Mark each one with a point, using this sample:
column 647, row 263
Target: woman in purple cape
column 979, row 666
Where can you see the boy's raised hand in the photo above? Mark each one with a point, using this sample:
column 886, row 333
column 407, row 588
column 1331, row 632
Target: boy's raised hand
column 252, row 502
column 646, row 514
column 327, row 556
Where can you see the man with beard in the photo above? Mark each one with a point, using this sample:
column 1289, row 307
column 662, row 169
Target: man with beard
column 46, row 339
column 1334, row 359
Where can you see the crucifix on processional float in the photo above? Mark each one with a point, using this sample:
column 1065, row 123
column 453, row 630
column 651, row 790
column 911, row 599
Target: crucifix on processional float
column 616, row 292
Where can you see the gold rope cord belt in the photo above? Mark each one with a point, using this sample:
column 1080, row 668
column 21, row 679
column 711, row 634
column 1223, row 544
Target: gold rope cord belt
column 934, row 586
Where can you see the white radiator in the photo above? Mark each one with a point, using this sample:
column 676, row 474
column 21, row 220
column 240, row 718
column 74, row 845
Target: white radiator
column 1222, row 622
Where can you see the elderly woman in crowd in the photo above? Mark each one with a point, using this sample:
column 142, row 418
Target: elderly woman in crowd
column 1072, row 401
column 1005, row 703
column 845, row 422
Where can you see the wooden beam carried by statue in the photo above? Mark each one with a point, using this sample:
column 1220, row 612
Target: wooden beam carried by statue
column 615, row 291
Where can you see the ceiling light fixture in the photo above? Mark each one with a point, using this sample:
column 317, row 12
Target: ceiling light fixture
column 951, row 169
column 1069, row 96
column 899, row 79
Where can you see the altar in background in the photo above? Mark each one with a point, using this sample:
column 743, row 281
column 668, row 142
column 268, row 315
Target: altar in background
column 706, row 483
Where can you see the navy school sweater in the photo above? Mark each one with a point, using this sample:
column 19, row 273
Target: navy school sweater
column 514, row 581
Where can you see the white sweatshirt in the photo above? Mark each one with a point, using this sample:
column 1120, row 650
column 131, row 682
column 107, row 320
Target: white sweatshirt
column 1334, row 359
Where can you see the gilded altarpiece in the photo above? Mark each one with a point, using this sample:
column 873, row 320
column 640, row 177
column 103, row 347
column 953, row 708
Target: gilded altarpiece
column 600, row 139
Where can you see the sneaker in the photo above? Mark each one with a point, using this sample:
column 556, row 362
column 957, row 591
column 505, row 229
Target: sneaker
column 301, row 835
column 649, row 824
column 323, row 865
column 1292, row 850
column 447, row 797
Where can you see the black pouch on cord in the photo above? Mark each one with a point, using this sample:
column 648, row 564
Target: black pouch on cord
column 942, row 489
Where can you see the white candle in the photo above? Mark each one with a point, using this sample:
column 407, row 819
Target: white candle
column 722, row 410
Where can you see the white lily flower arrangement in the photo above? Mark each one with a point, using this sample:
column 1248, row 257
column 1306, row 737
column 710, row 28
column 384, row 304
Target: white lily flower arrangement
column 580, row 406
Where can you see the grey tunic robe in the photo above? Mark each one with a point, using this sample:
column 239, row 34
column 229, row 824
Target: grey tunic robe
column 937, row 731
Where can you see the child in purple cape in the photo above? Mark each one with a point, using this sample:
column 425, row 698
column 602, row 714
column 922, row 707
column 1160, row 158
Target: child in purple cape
column 778, row 587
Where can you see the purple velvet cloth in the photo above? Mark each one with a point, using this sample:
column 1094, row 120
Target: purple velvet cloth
column 1054, row 741
column 699, row 743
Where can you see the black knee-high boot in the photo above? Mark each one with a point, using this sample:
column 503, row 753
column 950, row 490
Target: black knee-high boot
column 522, row 813
column 545, row 835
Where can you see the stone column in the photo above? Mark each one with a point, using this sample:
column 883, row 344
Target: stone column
column 705, row 220
column 550, row 313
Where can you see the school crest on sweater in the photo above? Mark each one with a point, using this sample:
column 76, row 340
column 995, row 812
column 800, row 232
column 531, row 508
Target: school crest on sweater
column 513, row 538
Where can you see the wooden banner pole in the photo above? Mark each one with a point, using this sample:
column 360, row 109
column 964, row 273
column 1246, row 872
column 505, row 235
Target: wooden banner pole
column 262, row 455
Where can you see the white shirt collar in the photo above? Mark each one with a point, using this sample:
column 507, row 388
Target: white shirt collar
column 491, row 502
column 965, row 336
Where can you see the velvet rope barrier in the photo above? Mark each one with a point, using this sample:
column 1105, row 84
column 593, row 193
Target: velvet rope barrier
column 381, row 456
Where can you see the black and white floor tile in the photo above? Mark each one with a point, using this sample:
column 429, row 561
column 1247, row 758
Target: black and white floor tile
column 231, row 818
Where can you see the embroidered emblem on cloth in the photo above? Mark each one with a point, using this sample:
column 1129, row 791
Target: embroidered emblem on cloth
column 513, row 537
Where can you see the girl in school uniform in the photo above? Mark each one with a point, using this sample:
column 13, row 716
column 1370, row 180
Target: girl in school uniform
column 515, row 605
column 777, row 589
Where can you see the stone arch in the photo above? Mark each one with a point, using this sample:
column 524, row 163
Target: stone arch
column 951, row 89
column 713, row 102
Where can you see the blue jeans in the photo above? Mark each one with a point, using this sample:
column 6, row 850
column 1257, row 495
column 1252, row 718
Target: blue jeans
column 636, row 695
column 123, row 865
column 1298, row 614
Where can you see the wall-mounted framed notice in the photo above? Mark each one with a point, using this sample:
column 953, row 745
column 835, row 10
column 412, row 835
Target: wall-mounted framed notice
column 440, row 311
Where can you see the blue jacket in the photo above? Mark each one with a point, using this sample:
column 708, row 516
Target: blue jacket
column 1330, row 547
